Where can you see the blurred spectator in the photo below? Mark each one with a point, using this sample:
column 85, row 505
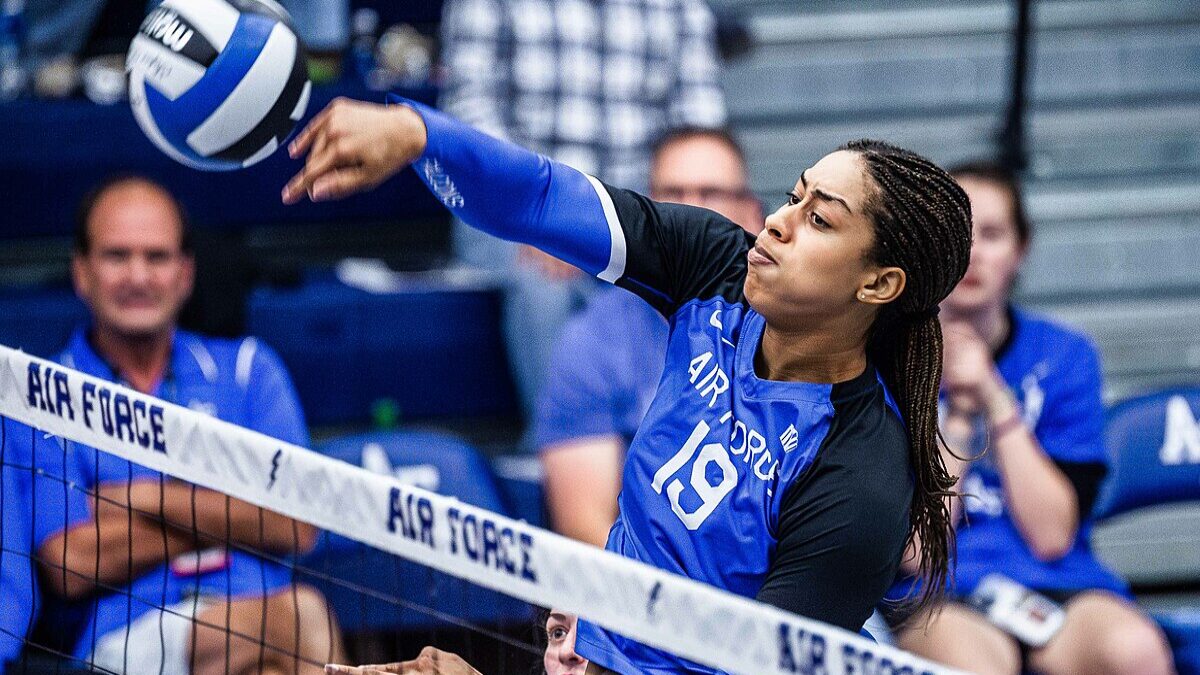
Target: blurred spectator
column 600, row 380
column 133, row 268
column 589, row 83
column 1029, row 391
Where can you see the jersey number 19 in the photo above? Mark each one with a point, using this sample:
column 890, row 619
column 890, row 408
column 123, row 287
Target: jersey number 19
column 710, row 495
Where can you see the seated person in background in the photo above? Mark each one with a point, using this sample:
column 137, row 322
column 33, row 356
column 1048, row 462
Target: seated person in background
column 1029, row 391
column 163, row 592
column 601, row 381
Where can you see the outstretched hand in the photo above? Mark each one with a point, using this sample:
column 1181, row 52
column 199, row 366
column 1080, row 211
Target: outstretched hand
column 431, row 661
column 353, row 147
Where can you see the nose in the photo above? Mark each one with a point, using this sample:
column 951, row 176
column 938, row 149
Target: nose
column 568, row 656
column 974, row 256
column 138, row 269
column 776, row 228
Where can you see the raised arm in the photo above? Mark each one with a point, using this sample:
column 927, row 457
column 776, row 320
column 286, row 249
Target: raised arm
column 492, row 185
column 665, row 253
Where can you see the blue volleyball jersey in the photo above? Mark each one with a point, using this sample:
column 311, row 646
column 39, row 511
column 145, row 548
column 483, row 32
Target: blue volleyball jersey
column 239, row 381
column 1054, row 373
column 795, row 493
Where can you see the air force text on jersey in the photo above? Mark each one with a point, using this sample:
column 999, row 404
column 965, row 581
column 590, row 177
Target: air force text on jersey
column 102, row 408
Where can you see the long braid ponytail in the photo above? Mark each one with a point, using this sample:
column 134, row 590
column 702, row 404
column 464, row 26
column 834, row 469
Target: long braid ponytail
column 923, row 226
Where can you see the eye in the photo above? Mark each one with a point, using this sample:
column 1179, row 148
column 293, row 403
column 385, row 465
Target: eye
column 819, row 222
column 793, row 199
column 558, row 633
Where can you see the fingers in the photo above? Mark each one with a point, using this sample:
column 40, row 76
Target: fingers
column 339, row 183
column 379, row 669
column 332, row 156
column 304, row 139
column 325, row 154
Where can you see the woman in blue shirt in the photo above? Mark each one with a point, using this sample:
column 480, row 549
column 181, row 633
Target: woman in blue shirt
column 1029, row 390
column 791, row 447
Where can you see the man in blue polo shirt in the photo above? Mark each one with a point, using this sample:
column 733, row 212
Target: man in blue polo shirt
column 600, row 382
column 171, row 587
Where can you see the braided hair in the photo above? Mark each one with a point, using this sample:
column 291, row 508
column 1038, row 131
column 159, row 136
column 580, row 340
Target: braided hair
column 923, row 226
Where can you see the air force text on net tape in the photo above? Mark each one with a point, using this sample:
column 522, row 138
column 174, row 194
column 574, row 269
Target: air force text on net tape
column 665, row 610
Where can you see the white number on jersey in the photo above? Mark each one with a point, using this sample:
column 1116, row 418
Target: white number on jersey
column 710, row 495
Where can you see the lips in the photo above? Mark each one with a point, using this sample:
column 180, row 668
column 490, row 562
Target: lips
column 759, row 256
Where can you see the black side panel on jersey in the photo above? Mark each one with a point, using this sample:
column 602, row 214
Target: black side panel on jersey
column 844, row 522
column 677, row 253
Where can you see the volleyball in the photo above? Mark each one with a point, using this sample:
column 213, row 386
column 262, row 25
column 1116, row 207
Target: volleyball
column 217, row 84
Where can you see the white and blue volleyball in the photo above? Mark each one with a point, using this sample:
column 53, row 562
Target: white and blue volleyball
column 218, row 84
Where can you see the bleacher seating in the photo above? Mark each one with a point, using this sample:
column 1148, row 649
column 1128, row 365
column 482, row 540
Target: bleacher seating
column 431, row 346
column 1114, row 141
column 1150, row 508
column 366, row 576
column 54, row 151
column 1149, row 511
column 519, row 478
column 39, row 320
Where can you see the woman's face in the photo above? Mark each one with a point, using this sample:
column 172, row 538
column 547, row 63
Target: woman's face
column 560, row 657
column 812, row 259
column 996, row 250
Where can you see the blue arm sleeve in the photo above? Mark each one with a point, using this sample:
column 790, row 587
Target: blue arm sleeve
column 667, row 254
column 518, row 195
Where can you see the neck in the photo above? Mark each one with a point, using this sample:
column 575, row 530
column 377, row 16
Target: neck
column 991, row 324
column 139, row 360
column 807, row 356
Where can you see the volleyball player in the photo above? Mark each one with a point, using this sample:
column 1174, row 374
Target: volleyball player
column 791, row 447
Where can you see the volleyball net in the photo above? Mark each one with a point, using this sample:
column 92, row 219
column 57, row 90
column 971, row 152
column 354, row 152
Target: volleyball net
column 451, row 572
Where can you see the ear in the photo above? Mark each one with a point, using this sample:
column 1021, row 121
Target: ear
column 884, row 285
column 187, row 279
column 79, row 276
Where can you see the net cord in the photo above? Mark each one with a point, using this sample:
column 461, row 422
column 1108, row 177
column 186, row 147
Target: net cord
column 661, row 609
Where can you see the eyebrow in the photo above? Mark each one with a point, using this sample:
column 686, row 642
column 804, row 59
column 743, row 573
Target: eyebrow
column 825, row 195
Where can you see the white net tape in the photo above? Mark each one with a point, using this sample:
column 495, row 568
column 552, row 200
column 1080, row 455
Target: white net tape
column 693, row 620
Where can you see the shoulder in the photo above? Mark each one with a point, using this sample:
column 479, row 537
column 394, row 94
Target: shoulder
column 610, row 308
column 1050, row 352
column 867, row 451
column 860, row 483
column 240, row 360
column 1040, row 332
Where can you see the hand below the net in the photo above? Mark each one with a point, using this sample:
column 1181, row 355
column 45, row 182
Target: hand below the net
column 431, row 661
column 353, row 146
